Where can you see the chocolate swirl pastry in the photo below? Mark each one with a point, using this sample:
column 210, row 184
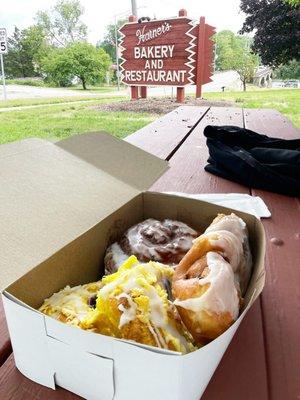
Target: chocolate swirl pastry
column 164, row 241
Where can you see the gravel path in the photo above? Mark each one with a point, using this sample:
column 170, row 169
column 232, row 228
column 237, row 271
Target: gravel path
column 158, row 105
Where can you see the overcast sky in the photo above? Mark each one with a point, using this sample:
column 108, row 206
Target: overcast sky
column 223, row 14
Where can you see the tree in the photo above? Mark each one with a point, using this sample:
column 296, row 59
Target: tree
column 79, row 60
column 292, row 2
column 291, row 70
column 108, row 43
column 25, row 49
column 234, row 52
column 276, row 24
column 62, row 23
column 57, row 67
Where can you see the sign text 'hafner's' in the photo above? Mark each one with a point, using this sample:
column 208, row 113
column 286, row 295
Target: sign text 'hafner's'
column 144, row 35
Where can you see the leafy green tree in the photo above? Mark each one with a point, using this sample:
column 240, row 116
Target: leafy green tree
column 25, row 50
column 108, row 42
column 62, row 23
column 292, row 2
column 79, row 60
column 234, row 52
column 276, row 26
column 57, row 67
column 291, row 70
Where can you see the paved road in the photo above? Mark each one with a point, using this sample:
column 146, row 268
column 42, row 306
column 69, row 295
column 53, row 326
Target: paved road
column 32, row 92
column 229, row 79
column 19, row 108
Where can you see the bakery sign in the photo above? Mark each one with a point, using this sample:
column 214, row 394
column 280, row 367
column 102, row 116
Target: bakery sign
column 159, row 52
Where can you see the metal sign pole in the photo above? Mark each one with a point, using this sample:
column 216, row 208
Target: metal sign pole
column 3, row 77
column 117, row 53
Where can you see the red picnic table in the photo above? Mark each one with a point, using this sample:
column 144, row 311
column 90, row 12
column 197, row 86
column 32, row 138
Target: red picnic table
column 263, row 360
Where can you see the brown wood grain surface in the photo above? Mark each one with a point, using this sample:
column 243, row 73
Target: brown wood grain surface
column 186, row 171
column 5, row 346
column 245, row 356
column 14, row 386
column 162, row 136
column 242, row 374
column 281, row 296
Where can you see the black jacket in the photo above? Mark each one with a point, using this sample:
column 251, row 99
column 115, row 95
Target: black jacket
column 255, row 160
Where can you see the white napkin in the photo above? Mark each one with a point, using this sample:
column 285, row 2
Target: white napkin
column 241, row 202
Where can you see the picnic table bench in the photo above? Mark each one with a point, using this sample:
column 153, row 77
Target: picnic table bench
column 263, row 360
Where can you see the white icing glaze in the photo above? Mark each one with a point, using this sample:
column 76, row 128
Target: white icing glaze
column 231, row 223
column 160, row 337
column 235, row 245
column 154, row 239
column 157, row 309
column 221, row 296
column 231, row 245
column 119, row 257
column 159, row 324
column 128, row 314
column 72, row 302
column 154, row 334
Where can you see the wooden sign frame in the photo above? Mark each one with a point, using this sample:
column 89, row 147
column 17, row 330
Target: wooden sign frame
column 194, row 62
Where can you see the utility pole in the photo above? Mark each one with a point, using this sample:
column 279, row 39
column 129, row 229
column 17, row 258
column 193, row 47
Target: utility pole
column 3, row 50
column 3, row 77
column 117, row 53
column 133, row 8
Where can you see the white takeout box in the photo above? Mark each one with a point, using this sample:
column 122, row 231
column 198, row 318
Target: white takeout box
column 61, row 205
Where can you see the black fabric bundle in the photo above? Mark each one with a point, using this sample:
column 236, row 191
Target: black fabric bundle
column 255, row 160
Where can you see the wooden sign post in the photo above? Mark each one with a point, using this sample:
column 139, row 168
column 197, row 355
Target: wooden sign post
column 205, row 55
column 180, row 90
column 173, row 52
column 134, row 89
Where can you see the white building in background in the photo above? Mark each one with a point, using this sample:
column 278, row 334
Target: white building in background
column 263, row 76
column 224, row 80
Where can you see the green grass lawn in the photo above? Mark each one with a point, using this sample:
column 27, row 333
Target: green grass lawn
column 60, row 121
column 53, row 100
column 40, row 83
column 287, row 101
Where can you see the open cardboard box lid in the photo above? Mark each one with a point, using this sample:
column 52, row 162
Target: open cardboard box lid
column 52, row 192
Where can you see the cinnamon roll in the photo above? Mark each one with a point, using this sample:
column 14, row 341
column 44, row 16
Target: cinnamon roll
column 207, row 297
column 164, row 241
column 210, row 280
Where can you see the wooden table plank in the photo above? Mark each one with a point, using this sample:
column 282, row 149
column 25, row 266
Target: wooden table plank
column 245, row 357
column 281, row 295
column 5, row 346
column 186, row 171
column 162, row 136
column 271, row 123
column 240, row 375
column 14, row 386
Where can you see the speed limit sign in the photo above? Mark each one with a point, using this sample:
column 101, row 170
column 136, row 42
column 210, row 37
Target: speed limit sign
column 3, row 41
column 3, row 50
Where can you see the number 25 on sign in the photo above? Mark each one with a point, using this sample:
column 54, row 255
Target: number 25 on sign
column 3, row 50
column 3, row 41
